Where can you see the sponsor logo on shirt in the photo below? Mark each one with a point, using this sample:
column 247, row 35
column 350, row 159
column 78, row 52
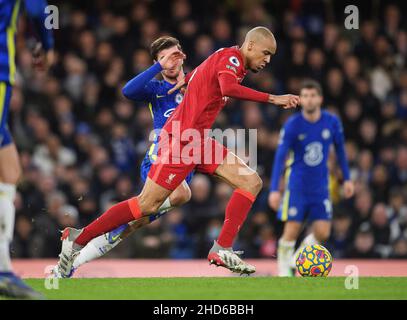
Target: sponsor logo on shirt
column 168, row 112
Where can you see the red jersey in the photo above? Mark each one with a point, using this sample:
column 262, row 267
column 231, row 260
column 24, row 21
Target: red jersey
column 209, row 85
column 203, row 99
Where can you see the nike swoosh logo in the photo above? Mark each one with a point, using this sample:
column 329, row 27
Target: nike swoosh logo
column 158, row 96
column 114, row 238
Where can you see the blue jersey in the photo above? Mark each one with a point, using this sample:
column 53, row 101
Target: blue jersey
column 145, row 87
column 308, row 145
column 9, row 11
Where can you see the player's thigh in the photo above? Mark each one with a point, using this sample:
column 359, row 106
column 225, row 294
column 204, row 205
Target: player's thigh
column 320, row 214
column 292, row 207
column 182, row 192
column 238, row 174
column 10, row 169
column 291, row 212
column 152, row 196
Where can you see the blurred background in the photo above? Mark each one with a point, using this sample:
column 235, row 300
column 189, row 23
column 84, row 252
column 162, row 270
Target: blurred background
column 81, row 142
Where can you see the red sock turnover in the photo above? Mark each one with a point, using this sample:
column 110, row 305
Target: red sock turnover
column 121, row 213
column 236, row 212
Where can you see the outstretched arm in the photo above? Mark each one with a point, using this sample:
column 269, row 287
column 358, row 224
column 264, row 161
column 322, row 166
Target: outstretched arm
column 230, row 87
column 137, row 88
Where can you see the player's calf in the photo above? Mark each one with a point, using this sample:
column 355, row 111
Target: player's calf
column 149, row 200
column 322, row 231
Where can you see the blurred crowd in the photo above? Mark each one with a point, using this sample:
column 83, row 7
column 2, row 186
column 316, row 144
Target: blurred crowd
column 81, row 142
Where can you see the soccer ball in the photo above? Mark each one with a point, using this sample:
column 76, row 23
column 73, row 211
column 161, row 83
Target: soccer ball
column 314, row 261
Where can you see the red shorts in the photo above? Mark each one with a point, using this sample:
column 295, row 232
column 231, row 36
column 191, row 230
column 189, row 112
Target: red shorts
column 176, row 160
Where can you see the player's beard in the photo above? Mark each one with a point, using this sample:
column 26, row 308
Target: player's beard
column 311, row 110
column 172, row 77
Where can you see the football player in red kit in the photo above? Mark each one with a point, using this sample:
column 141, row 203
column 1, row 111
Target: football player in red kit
column 184, row 146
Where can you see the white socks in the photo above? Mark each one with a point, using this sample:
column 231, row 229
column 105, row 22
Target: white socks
column 101, row 245
column 284, row 257
column 7, row 212
column 94, row 249
column 309, row 240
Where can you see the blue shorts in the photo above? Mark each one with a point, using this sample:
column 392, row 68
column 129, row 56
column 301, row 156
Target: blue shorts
column 5, row 96
column 148, row 160
column 296, row 206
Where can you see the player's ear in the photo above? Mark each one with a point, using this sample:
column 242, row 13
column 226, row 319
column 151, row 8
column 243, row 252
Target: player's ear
column 321, row 99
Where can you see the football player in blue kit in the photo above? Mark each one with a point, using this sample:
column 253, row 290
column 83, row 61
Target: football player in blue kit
column 306, row 138
column 10, row 170
column 162, row 101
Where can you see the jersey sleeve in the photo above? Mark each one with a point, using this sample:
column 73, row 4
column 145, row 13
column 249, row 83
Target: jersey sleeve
column 230, row 87
column 228, row 70
column 141, row 88
column 284, row 145
column 35, row 10
column 339, row 142
column 229, row 63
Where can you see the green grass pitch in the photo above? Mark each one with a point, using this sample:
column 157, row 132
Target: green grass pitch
column 224, row 288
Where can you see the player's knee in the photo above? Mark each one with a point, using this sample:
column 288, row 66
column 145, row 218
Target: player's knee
column 254, row 183
column 12, row 175
column 181, row 197
column 289, row 235
column 149, row 206
column 322, row 235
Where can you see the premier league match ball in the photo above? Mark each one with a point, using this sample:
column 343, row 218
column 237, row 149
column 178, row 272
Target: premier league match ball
column 314, row 261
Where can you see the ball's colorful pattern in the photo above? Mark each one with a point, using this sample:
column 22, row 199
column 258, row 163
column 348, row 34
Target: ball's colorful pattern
column 314, row 261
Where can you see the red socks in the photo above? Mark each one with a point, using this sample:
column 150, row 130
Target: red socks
column 236, row 212
column 129, row 210
column 121, row 213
